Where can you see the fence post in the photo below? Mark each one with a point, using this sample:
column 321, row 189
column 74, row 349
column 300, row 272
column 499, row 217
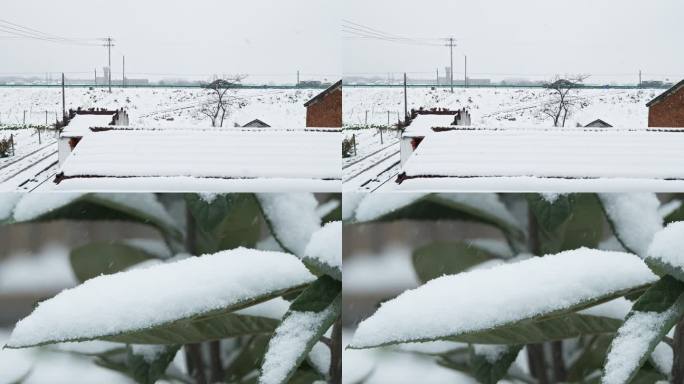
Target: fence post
column 24, row 118
column 12, row 142
column 46, row 123
column 354, row 142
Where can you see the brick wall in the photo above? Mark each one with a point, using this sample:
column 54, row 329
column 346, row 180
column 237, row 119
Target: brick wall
column 669, row 112
column 326, row 112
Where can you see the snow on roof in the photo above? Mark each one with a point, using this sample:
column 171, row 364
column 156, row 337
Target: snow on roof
column 223, row 154
column 423, row 124
column 81, row 124
column 622, row 154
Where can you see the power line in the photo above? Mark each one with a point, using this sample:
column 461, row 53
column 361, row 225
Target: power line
column 360, row 31
column 17, row 31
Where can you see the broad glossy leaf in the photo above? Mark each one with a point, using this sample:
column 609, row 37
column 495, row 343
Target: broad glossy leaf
column 147, row 368
column 225, row 222
column 652, row 316
column 591, row 358
column 488, row 370
column 447, row 258
column 482, row 208
column 249, row 359
column 200, row 329
column 309, row 317
column 571, row 221
column 562, row 326
column 323, row 254
column 139, row 208
column 292, row 219
column 634, row 219
column 104, row 258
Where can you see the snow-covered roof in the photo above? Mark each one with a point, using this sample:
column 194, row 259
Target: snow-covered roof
column 423, row 124
column 193, row 154
column 529, row 159
column 81, row 124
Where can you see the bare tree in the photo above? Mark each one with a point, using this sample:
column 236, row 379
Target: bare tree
column 221, row 98
column 563, row 98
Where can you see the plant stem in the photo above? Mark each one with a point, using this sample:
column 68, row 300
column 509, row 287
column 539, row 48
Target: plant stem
column 678, row 349
column 535, row 355
column 217, row 373
column 336, row 353
column 559, row 371
column 195, row 354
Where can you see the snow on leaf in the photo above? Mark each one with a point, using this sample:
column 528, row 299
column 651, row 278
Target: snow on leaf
column 665, row 252
column 325, row 249
column 634, row 218
column 655, row 312
column 7, row 203
column 310, row 315
column 374, row 206
column 292, row 218
column 139, row 299
column 662, row 358
column 488, row 203
column 31, row 205
column 484, row 299
column 351, row 201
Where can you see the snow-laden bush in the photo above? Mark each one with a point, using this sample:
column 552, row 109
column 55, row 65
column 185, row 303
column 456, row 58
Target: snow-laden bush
column 5, row 146
column 244, row 309
column 589, row 286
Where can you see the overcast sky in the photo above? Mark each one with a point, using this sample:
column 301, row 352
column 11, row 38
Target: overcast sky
column 259, row 37
column 611, row 39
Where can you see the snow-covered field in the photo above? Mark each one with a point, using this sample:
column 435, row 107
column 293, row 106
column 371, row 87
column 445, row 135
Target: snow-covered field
column 490, row 107
column 156, row 106
column 35, row 163
column 506, row 107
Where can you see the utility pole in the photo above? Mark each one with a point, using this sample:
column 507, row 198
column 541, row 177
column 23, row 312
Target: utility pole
column 640, row 77
column 123, row 77
column 109, row 46
column 405, row 98
column 437, row 73
column 451, row 68
column 95, row 76
column 465, row 71
column 298, row 78
column 63, row 100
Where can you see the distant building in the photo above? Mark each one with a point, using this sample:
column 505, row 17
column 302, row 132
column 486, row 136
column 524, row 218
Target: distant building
column 325, row 109
column 256, row 123
column 598, row 123
column 667, row 110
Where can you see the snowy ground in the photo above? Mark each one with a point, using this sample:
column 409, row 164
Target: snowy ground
column 497, row 107
column 34, row 164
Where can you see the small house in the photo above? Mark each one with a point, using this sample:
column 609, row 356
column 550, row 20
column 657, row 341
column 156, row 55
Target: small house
column 423, row 121
column 325, row 109
column 598, row 123
column 667, row 109
column 79, row 123
column 256, row 123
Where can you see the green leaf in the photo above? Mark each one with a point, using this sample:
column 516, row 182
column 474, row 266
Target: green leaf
column 462, row 207
column 291, row 218
column 249, row 359
column 199, row 329
column 308, row 318
column 487, row 371
column 447, row 258
column 571, row 221
column 226, row 222
column 652, row 316
column 559, row 327
column 335, row 214
column 676, row 215
column 591, row 358
column 104, row 258
column 147, row 369
column 112, row 207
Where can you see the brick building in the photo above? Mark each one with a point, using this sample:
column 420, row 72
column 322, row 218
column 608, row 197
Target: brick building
column 667, row 110
column 325, row 109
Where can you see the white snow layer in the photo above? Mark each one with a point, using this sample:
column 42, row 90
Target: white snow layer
column 488, row 203
column 326, row 245
column 488, row 298
column 631, row 343
column 350, row 201
column 293, row 218
column 667, row 245
column 614, row 309
column 635, row 218
column 491, row 353
column 80, row 125
column 289, row 342
column 207, row 153
column 7, row 203
column 662, row 358
column 139, row 299
column 549, row 152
